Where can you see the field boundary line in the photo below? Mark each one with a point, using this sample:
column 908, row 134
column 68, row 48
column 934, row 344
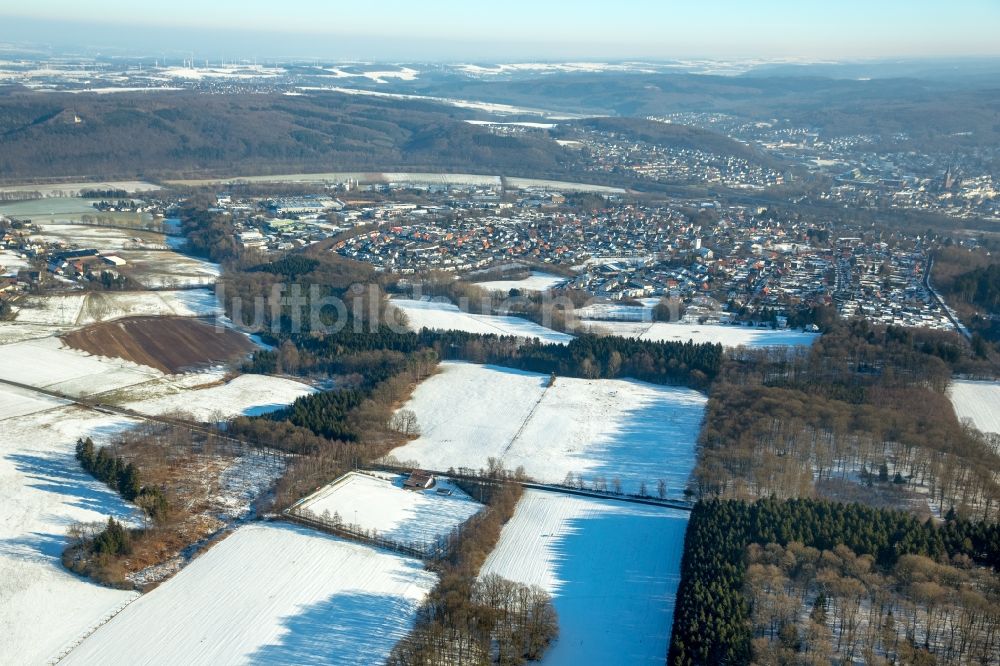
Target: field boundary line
column 62, row 654
column 524, row 423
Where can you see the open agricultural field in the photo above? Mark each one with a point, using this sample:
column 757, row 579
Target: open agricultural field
column 380, row 504
column 269, row 594
column 596, row 429
column 79, row 308
column 52, row 190
column 46, row 363
column 126, row 233
column 167, row 269
column 978, row 402
column 537, row 281
column 50, row 310
column 169, row 344
column 15, row 402
column 103, row 306
column 245, row 395
column 43, row 606
column 612, row 569
column 64, row 204
column 445, row 316
column 727, row 336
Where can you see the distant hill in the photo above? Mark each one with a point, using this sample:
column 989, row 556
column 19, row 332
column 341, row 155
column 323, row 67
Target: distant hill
column 189, row 134
column 937, row 114
column 674, row 136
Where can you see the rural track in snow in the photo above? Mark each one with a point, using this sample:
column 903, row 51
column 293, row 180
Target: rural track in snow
column 527, row 419
column 667, row 502
column 673, row 503
column 105, row 408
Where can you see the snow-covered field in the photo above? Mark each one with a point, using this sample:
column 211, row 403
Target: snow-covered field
column 610, row 428
column 978, row 401
column 445, row 316
column 46, row 363
column 163, row 270
column 42, row 490
column 51, row 310
column 10, row 262
column 182, row 303
column 382, row 505
column 74, row 189
column 538, row 281
column 563, row 186
column 612, row 569
column 79, row 309
column 248, row 395
column 727, row 336
column 16, row 402
column 105, row 239
column 269, row 594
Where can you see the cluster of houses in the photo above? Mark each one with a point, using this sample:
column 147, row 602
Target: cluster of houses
column 886, row 285
column 735, row 255
column 612, row 153
column 22, row 259
column 80, row 263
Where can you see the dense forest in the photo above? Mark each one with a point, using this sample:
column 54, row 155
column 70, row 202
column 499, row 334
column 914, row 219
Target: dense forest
column 192, row 134
column 860, row 416
column 980, row 286
column 808, row 581
column 969, row 280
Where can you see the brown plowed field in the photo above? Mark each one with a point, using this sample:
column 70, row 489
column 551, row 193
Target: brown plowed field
column 170, row 344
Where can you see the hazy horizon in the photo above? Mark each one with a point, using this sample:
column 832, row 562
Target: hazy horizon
column 446, row 31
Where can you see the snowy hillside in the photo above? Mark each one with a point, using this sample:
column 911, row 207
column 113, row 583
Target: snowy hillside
column 269, row 594
column 611, row 567
column 610, row 428
column 43, row 489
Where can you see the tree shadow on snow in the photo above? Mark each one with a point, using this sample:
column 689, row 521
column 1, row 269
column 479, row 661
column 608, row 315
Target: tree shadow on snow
column 617, row 573
column 654, row 441
column 350, row 628
column 62, row 475
column 33, row 546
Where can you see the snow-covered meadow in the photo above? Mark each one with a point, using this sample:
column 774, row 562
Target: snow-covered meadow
column 978, row 402
column 269, row 594
column 82, row 308
column 446, row 316
column 163, row 270
column 245, row 395
column 634, row 431
column 727, row 336
column 537, row 281
column 383, row 506
column 42, row 490
column 611, row 567
column 46, row 363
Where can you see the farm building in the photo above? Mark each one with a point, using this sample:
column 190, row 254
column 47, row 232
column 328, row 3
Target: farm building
column 419, row 480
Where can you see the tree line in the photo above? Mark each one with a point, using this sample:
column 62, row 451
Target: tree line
column 713, row 615
column 122, row 476
column 468, row 619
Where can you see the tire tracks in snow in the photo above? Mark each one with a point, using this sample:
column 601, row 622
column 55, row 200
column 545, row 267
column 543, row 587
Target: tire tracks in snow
column 527, row 419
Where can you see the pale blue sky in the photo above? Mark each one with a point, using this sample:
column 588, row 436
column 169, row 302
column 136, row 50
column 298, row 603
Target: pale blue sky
column 442, row 29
